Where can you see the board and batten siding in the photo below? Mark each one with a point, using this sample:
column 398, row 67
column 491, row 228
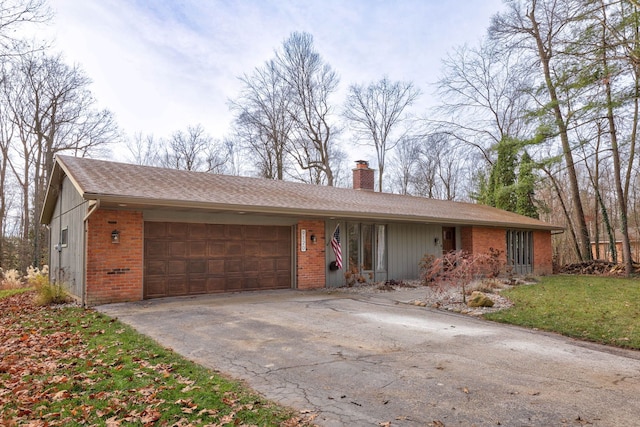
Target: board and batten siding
column 407, row 244
column 66, row 265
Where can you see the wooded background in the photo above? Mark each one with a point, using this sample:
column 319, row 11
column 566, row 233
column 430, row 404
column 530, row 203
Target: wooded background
column 540, row 117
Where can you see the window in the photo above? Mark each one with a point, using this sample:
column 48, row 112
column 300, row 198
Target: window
column 64, row 237
column 520, row 251
column 353, row 245
column 366, row 247
column 381, row 260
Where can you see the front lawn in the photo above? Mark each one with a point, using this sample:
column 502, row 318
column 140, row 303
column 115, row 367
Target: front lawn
column 72, row 367
column 593, row 308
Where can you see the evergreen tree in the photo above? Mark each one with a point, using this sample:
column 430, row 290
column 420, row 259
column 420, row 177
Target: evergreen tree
column 526, row 188
column 499, row 189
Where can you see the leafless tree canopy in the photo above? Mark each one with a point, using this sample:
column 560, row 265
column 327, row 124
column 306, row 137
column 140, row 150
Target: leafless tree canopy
column 284, row 116
column 375, row 112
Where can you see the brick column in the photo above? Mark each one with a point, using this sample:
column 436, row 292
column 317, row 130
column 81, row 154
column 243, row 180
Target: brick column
column 542, row 253
column 114, row 270
column 310, row 268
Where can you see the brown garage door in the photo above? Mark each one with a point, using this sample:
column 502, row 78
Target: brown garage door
column 189, row 259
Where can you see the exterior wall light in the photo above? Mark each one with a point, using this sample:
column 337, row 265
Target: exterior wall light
column 314, row 239
column 115, row 236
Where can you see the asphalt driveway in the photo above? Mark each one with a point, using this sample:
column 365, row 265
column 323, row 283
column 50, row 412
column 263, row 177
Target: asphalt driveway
column 369, row 359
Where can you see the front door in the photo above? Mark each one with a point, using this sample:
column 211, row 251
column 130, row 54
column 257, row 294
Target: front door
column 448, row 239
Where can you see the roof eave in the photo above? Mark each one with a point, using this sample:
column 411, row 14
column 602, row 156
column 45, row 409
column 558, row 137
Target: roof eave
column 124, row 201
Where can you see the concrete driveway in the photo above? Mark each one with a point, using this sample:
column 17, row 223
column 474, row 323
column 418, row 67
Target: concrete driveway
column 369, row 359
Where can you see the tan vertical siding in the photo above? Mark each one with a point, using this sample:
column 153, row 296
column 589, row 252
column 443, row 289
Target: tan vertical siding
column 407, row 244
column 67, row 266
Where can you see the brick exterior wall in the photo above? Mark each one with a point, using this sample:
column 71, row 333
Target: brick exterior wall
column 114, row 270
column 310, row 268
column 542, row 253
column 479, row 239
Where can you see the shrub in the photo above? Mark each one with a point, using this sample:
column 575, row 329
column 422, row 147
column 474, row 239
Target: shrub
column 493, row 262
column 47, row 292
column 353, row 276
column 11, row 279
column 454, row 269
column 36, row 277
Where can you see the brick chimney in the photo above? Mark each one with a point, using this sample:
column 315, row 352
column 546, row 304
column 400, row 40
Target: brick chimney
column 363, row 177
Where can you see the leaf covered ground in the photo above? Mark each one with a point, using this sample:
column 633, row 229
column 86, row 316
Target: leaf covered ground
column 72, row 366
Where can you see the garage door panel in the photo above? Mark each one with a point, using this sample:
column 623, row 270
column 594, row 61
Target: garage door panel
column 234, row 283
column 198, row 248
column 216, row 249
column 155, row 229
column 155, row 249
column 232, row 265
column 155, row 286
column 197, row 266
column 267, row 264
column 216, row 231
column 197, row 231
column 283, row 264
column 233, row 249
column 251, row 265
column 234, row 232
column 177, row 230
column 177, row 266
column 215, row 266
column 252, row 232
column 177, row 285
column 268, row 248
column 268, row 281
column 251, row 248
column 283, row 248
column 184, row 259
column 284, row 280
column 215, row 284
column 156, row 268
column 197, row 284
column 177, row 249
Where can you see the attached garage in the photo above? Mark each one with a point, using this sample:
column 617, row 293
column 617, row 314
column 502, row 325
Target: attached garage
column 190, row 259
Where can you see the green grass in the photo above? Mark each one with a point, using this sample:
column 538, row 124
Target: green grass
column 600, row 309
column 4, row 293
column 72, row 367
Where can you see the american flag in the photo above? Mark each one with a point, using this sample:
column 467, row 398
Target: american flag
column 335, row 245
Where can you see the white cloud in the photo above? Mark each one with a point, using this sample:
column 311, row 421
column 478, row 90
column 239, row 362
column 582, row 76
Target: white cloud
column 162, row 65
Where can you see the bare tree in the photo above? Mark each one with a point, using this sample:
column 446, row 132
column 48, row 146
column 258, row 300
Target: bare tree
column 143, row 150
column 484, row 94
column 311, row 82
column 14, row 14
column 188, row 150
column 263, row 121
column 52, row 111
column 406, row 159
column 375, row 112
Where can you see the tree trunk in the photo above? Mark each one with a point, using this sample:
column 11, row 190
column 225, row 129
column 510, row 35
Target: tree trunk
column 615, row 153
column 576, row 202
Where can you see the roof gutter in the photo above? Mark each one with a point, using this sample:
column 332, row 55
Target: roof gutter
column 274, row 210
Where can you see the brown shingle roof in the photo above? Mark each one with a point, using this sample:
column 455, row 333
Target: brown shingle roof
column 143, row 186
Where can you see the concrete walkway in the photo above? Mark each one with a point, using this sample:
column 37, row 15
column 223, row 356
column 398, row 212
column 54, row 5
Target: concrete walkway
column 368, row 359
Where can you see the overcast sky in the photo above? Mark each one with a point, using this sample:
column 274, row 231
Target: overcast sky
column 163, row 65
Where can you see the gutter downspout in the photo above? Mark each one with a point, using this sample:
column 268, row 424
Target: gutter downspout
column 92, row 209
